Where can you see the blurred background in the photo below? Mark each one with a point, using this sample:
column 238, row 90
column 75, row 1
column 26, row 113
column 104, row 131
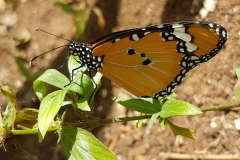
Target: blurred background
column 212, row 83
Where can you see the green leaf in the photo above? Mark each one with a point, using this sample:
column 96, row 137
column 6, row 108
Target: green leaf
column 154, row 116
column 238, row 94
column 80, row 24
column 75, row 64
column 189, row 133
column 54, row 77
column 238, row 73
column 139, row 123
column 97, row 80
column 82, row 84
column 66, row 8
column 27, row 118
column 40, row 89
column 66, row 102
column 80, row 28
column 24, row 71
column 83, row 104
column 49, row 107
column 81, row 144
column 80, row 16
column 162, row 122
column 9, row 115
column 7, row 91
column 175, row 107
column 143, row 105
column 10, row 112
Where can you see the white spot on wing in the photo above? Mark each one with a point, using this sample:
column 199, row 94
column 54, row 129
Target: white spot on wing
column 223, row 33
column 179, row 78
column 169, row 89
column 146, row 33
column 117, row 39
column 176, row 25
column 160, row 26
column 184, row 71
column 180, row 29
column 210, row 24
column 217, row 31
column 181, row 50
column 135, row 37
column 170, row 38
column 191, row 47
column 194, row 58
column 184, row 36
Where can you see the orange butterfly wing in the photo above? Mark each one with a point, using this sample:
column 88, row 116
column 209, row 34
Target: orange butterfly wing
column 151, row 61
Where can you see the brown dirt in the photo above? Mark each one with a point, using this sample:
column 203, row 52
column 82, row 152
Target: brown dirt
column 212, row 83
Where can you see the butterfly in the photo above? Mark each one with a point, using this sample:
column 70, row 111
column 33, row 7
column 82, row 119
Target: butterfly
column 151, row 61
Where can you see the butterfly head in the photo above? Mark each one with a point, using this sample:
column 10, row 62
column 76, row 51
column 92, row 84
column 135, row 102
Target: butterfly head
column 84, row 52
column 79, row 49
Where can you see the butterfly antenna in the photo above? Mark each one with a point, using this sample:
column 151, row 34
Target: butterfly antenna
column 30, row 63
column 38, row 29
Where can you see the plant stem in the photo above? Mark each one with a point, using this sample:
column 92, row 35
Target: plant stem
column 125, row 119
column 213, row 108
column 97, row 122
column 31, row 131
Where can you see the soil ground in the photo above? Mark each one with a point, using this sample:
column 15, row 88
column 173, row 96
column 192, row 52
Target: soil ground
column 213, row 83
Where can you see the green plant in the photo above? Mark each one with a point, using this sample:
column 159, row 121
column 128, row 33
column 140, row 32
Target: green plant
column 238, row 76
column 76, row 140
column 80, row 17
column 30, row 77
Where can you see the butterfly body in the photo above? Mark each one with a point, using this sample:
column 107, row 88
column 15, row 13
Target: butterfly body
column 151, row 61
column 84, row 52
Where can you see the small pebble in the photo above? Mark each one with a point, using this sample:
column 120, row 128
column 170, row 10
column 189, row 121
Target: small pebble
column 237, row 124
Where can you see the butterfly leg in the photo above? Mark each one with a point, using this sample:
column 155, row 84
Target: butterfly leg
column 95, row 86
column 73, row 70
column 64, row 63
